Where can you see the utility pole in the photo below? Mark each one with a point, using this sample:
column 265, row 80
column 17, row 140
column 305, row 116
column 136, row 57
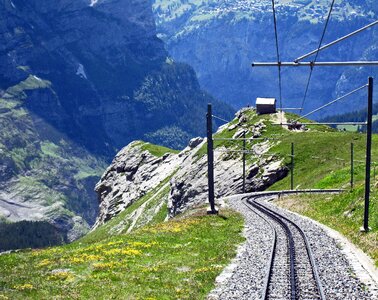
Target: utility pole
column 210, row 160
column 244, row 149
column 351, row 165
column 368, row 154
column 292, row 167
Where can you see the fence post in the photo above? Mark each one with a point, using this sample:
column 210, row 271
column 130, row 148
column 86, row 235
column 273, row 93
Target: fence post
column 368, row 154
column 351, row 165
column 292, row 167
column 210, row 160
column 244, row 149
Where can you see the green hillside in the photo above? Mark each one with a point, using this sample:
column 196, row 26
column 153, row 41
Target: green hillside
column 176, row 259
column 181, row 258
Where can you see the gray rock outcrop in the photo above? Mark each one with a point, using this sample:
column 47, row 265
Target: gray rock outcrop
column 135, row 171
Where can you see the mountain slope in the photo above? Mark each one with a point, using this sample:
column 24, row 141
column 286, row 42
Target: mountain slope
column 145, row 183
column 220, row 39
column 109, row 72
column 355, row 116
column 157, row 259
column 44, row 176
column 79, row 80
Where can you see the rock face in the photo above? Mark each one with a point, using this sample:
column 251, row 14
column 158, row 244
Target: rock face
column 135, row 171
column 78, row 80
column 131, row 175
column 220, row 39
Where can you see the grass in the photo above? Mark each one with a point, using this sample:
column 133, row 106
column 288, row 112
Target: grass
column 229, row 132
column 121, row 223
column 178, row 259
column 157, row 150
column 30, row 83
column 322, row 160
column 343, row 213
column 50, row 149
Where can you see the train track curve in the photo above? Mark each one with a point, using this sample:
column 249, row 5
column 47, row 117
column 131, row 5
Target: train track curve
column 291, row 272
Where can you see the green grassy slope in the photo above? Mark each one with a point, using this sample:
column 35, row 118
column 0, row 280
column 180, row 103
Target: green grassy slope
column 322, row 159
column 181, row 258
column 176, row 259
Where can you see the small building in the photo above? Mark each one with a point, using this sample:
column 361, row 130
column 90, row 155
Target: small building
column 265, row 105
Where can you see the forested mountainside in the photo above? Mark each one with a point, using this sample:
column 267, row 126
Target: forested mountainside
column 80, row 79
column 355, row 116
column 220, row 39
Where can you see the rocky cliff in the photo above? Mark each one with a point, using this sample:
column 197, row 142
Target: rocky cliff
column 220, row 39
column 141, row 177
column 78, row 80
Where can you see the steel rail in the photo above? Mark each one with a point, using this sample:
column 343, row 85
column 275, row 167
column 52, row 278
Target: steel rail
column 245, row 151
column 272, row 254
column 308, row 249
column 242, row 139
column 318, row 63
column 292, row 275
column 324, row 123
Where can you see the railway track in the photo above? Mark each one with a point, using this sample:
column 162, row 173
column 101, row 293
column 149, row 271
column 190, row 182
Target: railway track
column 291, row 272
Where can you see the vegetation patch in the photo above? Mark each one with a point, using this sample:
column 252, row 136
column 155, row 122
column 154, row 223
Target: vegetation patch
column 322, row 159
column 156, row 150
column 50, row 149
column 31, row 83
column 121, row 223
column 29, row 234
column 179, row 259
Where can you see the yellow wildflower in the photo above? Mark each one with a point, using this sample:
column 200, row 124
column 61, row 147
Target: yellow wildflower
column 81, row 258
column 77, row 260
column 114, row 243
column 127, row 251
column 23, row 287
column 44, row 263
column 104, row 266
column 61, row 275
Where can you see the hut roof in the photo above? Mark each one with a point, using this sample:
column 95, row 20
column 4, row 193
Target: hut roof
column 265, row 101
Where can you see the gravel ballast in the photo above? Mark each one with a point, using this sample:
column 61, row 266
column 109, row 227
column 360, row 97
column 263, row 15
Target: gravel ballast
column 244, row 278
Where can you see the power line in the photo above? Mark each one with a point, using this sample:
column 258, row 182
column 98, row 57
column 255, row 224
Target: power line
column 219, row 118
column 317, row 53
column 337, row 41
column 278, row 54
column 318, row 63
column 333, row 101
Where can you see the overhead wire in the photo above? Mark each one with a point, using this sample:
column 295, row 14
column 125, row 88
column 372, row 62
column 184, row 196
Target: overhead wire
column 333, row 101
column 317, row 54
column 221, row 119
column 278, row 56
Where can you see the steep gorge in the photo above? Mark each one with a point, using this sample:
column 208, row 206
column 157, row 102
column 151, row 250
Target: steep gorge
column 79, row 80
